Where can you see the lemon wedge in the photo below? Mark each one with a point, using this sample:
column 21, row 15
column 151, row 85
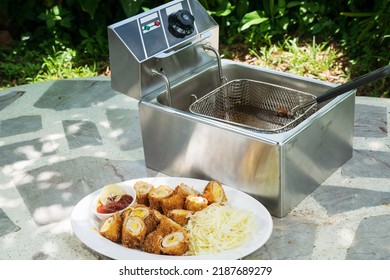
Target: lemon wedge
column 111, row 193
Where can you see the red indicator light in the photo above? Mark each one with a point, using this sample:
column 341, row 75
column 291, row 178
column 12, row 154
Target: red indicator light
column 157, row 23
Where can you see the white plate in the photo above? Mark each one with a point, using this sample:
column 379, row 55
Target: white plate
column 85, row 224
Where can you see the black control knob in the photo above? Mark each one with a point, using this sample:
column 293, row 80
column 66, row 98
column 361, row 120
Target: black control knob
column 181, row 23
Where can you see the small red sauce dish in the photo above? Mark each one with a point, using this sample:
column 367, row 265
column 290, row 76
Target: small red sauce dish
column 120, row 201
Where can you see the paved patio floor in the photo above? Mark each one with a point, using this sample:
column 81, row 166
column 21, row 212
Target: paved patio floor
column 61, row 140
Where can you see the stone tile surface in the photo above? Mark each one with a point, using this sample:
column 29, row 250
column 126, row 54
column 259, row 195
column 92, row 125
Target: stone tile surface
column 338, row 199
column 81, row 133
column 20, row 125
column 372, row 240
column 369, row 164
column 26, row 150
column 50, row 192
column 370, row 121
column 65, row 95
column 6, row 225
column 126, row 128
column 298, row 245
column 8, row 98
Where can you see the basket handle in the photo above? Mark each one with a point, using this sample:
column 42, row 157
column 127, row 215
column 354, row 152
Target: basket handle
column 358, row 82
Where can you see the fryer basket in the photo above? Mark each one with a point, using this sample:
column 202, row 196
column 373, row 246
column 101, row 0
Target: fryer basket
column 254, row 105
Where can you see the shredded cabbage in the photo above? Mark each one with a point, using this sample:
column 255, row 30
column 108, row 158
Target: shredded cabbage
column 218, row 228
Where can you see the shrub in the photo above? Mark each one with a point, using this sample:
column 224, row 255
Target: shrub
column 362, row 27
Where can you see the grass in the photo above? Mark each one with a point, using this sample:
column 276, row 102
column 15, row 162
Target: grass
column 22, row 64
column 62, row 65
column 323, row 61
column 318, row 60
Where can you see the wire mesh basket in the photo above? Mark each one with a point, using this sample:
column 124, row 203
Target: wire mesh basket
column 254, row 105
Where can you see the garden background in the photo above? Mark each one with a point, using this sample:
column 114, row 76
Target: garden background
column 332, row 40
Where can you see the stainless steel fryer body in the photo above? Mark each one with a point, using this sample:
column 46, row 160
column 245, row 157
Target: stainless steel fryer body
column 279, row 170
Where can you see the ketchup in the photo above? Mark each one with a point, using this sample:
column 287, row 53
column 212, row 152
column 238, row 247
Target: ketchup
column 112, row 207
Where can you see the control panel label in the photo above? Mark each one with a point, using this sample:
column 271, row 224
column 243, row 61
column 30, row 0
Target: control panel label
column 150, row 22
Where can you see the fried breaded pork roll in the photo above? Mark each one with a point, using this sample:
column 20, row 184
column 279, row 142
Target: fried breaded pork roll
column 142, row 190
column 180, row 216
column 112, row 228
column 126, row 213
column 184, row 190
column 133, row 232
column 168, row 226
column 152, row 243
column 175, row 243
column 175, row 201
column 157, row 194
column 214, row 192
column 158, row 216
column 148, row 216
column 195, row 203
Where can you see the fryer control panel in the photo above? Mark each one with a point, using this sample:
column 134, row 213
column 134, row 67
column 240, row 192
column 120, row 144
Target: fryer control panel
column 163, row 28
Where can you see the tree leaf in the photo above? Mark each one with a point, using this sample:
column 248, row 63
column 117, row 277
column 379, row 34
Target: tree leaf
column 242, row 8
column 89, row 6
column 253, row 18
column 294, row 4
column 131, row 7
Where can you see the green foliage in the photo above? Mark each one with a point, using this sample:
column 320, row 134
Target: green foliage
column 310, row 59
column 49, row 61
column 366, row 39
column 275, row 19
column 51, row 32
column 131, row 7
column 362, row 27
column 59, row 64
column 368, row 30
column 89, row 6
column 18, row 64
